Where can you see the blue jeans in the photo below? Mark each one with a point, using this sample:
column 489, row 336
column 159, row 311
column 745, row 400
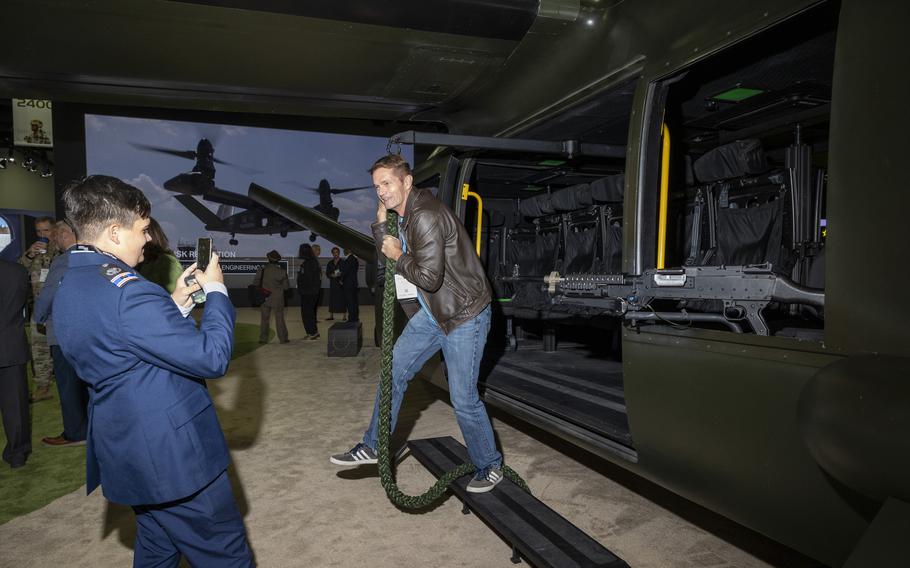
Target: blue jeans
column 463, row 350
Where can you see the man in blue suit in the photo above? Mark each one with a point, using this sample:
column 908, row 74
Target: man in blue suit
column 154, row 441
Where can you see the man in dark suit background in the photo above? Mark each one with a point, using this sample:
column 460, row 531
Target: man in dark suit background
column 337, row 304
column 349, row 268
column 14, row 283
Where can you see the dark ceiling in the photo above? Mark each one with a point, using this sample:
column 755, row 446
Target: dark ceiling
column 359, row 59
column 416, row 61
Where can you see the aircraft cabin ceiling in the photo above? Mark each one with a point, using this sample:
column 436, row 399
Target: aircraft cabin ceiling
column 375, row 59
column 485, row 67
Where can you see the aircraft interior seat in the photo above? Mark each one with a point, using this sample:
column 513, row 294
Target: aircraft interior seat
column 741, row 212
column 574, row 230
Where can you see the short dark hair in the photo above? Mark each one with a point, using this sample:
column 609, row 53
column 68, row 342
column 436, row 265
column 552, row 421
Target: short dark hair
column 44, row 219
column 95, row 202
column 306, row 251
column 394, row 162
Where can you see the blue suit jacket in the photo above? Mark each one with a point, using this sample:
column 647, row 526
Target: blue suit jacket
column 153, row 435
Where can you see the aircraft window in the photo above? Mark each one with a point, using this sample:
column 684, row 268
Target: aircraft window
column 748, row 174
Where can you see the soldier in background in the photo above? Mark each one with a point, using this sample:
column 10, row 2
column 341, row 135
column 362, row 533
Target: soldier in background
column 37, row 260
column 274, row 279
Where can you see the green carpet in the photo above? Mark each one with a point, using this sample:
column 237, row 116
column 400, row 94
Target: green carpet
column 53, row 472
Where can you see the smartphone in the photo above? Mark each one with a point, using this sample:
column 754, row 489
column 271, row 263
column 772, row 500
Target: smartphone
column 203, row 255
column 203, row 252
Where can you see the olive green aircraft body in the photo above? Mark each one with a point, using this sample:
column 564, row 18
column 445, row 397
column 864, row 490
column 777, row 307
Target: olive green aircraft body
column 803, row 437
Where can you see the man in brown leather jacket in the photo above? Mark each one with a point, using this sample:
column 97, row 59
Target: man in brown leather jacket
column 437, row 265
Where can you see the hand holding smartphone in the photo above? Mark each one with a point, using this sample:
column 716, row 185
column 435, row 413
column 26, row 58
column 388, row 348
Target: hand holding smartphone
column 203, row 252
column 203, row 256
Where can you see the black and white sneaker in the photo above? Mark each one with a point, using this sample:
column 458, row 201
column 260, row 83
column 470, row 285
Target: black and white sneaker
column 485, row 480
column 361, row 454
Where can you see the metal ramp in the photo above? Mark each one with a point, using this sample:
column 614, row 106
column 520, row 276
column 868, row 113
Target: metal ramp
column 537, row 533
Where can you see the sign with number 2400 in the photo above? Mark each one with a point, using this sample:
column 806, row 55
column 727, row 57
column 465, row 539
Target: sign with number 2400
column 32, row 123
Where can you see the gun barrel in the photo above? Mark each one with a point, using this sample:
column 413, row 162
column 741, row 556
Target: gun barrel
column 521, row 278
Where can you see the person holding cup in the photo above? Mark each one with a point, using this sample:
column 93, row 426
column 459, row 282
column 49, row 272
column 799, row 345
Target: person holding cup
column 37, row 260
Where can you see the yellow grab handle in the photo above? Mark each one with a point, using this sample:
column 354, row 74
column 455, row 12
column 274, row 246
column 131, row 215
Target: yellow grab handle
column 664, row 198
column 465, row 193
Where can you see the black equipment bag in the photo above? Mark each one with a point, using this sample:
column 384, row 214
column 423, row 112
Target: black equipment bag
column 609, row 189
column 345, row 339
column 733, row 160
column 257, row 295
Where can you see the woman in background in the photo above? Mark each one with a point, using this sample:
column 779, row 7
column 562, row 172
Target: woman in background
column 159, row 265
column 309, row 280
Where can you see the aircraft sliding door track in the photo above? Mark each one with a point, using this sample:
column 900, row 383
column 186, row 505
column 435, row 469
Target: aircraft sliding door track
column 579, row 436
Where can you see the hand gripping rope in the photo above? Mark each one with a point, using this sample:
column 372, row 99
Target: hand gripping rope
column 386, row 475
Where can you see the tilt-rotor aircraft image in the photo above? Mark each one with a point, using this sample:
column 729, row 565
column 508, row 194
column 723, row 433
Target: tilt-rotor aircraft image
column 252, row 219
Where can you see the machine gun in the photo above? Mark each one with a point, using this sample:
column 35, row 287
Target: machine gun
column 744, row 291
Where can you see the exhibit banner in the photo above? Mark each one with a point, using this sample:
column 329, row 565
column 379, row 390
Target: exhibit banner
column 245, row 266
column 32, row 123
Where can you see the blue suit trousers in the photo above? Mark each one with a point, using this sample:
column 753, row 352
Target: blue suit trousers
column 206, row 528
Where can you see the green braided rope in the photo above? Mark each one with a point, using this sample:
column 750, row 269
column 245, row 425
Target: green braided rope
column 386, row 475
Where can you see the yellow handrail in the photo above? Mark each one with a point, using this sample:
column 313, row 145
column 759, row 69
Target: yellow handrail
column 465, row 193
column 664, row 198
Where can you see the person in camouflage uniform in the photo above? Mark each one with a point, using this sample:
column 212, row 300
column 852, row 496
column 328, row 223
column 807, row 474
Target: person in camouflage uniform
column 37, row 260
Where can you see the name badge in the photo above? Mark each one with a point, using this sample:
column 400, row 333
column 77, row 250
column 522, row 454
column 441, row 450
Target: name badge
column 43, row 276
column 404, row 290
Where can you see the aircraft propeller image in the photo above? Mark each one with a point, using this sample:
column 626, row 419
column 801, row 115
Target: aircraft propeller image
column 325, row 205
column 253, row 219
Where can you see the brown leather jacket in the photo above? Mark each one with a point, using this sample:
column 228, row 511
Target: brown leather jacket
column 441, row 261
